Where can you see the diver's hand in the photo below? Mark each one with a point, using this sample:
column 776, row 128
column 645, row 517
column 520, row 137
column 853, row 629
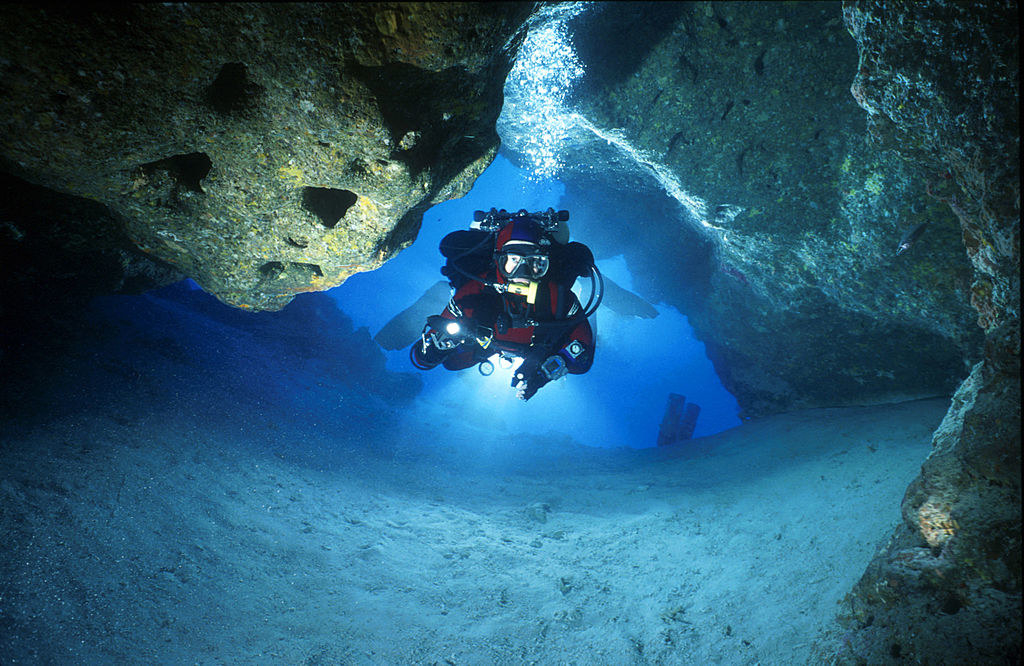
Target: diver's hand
column 528, row 377
column 525, row 391
column 526, row 386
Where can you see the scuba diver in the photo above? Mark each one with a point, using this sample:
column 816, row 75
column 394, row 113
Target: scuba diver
column 511, row 276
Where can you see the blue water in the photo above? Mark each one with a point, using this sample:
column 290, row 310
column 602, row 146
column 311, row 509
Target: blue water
column 638, row 362
column 316, row 360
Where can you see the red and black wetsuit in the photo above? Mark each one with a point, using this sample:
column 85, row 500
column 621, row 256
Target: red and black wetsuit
column 481, row 304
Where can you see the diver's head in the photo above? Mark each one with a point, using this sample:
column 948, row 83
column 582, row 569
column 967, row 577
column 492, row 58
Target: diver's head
column 522, row 251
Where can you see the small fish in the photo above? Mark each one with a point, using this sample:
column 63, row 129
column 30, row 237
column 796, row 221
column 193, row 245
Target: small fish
column 674, row 140
column 729, row 270
column 910, row 238
column 728, row 108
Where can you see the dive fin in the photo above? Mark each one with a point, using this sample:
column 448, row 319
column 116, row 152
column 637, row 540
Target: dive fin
column 626, row 303
column 406, row 327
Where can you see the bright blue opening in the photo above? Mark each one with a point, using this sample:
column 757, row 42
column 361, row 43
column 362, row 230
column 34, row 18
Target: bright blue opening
column 638, row 362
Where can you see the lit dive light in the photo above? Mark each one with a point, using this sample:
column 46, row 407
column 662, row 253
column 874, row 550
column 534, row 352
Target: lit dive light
column 452, row 328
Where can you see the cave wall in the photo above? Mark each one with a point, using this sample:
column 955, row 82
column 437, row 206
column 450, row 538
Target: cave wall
column 261, row 149
column 741, row 113
column 751, row 117
column 940, row 80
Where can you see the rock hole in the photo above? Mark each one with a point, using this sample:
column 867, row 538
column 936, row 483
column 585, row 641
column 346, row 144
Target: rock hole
column 232, row 90
column 187, row 170
column 359, row 167
column 60, row 100
column 676, row 138
column 951, row 605
column 328, row 204
column 309, row 268
column 272, row 270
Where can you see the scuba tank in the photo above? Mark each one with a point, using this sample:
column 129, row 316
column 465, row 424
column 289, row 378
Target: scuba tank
column 470, row 253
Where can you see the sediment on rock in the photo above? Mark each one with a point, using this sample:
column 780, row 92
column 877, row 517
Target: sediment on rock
column 216, row 133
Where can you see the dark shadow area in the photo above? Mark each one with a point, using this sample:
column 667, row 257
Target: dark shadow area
column 613, row 38
column 272, row 270
column 83, row 13
column 232, row 91
column 59, row 251
column 187, row 170
column 880, row 361
column 427, row 131
column 403, row 94
column 180, row 343
column 328, row 204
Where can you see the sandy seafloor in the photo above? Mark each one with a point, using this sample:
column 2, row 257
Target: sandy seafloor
column 158, row 510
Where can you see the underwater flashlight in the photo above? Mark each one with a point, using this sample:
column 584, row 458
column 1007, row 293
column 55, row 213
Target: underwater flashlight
column 452, row 328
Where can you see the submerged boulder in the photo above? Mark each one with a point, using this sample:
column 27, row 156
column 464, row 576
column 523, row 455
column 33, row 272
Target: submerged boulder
column 261, row 149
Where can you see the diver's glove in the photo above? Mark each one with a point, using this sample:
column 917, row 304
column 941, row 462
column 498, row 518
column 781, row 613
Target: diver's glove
column 439, row 338
column 532, row 375
column 527, row 388
column 526, row 379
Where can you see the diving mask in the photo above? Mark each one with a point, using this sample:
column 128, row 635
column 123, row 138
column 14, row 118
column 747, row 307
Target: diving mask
column 514, row 265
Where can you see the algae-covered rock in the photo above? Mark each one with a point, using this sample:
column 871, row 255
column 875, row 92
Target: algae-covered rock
column 742, row 114
column 261, row 149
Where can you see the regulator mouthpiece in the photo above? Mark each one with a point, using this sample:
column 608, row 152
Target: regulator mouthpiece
column 529, row 290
